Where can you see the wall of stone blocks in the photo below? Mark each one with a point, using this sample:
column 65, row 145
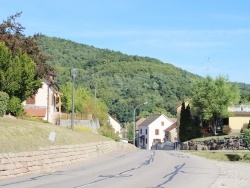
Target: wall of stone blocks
column 48, row 159
column 93, row 124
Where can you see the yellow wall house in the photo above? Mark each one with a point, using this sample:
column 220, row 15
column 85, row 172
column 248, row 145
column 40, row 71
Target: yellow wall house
column 240, row 117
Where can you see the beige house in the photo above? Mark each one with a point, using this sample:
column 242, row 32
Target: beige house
column 240, row 117
column 46, row 103
column 171, row 131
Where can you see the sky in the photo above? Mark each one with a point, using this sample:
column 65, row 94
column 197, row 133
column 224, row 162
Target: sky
column 204, row 37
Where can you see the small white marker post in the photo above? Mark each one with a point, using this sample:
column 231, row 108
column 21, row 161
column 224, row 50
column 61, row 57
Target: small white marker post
column 52, row 136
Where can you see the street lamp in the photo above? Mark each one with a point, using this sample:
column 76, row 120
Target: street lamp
column 134, row 121
column 73, row 73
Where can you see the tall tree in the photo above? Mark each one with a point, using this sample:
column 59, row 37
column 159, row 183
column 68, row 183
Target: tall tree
column 84, row 103
column 189, row 125
column 183, row 122
column 11, row 33
column 17, row 74
column 193, row 128
column 211, row 98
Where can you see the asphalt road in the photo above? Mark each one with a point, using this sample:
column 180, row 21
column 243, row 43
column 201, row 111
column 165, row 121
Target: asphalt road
column 140, row 169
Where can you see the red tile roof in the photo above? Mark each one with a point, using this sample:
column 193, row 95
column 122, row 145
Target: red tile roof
column 171, row 127
column 173, row 119
column 139, row 122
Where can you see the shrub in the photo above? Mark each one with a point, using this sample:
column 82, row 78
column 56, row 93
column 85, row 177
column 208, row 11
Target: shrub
column 246, row 137
column 233, row 157
column 242, row 130
column 4, row 97
column 246, row 157
column 15, row 107
column 108, row 131
column 83, row 128
column 226, row 129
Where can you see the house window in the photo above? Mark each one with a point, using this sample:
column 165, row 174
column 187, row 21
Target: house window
column 146, row 140
column 140, row 131
column 157, row 140
column 156, row 131
column 31, row 100
column 162, row 123
column 146, row 131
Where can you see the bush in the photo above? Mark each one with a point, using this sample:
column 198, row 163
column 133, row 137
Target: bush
column 226, row 129
column 246, row 157
column 246, row 137
column 233, row 157
column 108, row 131
column 4, row 97
column 15, row 107
column 83, row 128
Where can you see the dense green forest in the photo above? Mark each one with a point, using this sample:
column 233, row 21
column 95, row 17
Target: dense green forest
column 122, row 81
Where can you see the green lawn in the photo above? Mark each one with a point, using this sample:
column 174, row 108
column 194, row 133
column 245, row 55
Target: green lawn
column 18, row 135
column 223, row 156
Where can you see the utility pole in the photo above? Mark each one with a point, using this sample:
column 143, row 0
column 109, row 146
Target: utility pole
column 73, row 73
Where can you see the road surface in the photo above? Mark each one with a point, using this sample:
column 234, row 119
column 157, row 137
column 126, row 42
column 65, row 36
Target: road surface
column 139, row 168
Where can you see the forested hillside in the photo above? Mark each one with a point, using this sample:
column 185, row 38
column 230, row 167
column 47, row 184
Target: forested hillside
column 121, row 81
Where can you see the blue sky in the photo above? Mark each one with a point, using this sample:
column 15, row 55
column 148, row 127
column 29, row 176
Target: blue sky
column 209, row 37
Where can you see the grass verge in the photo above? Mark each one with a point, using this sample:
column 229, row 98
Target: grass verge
column 223, row 156
column 21, row 135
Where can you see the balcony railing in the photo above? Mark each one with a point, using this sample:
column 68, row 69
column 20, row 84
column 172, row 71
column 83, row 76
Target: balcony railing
column 239, row 108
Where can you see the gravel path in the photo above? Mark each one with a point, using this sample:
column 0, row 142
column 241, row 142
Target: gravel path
column 232, row 175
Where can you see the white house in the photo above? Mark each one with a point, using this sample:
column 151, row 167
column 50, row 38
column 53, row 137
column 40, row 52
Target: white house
column 46, row 103
column 152, row 130
column 116, row 125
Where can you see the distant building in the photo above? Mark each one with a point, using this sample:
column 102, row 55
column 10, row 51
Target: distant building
column 152, row 130
column 171, row 131
column 46, row 103
column 137, row 130
column 240, row 117
column 116, row 125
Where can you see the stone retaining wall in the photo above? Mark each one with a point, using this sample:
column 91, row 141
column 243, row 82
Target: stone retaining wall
column 47, row 159
column 93, row 124
column 228, row 143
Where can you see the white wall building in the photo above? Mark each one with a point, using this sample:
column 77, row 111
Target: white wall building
column 152, row 130
column 116, row 125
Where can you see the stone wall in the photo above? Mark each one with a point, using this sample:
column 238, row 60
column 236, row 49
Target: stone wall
column 93, row 124
column 228, row 143
column 47, row 159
